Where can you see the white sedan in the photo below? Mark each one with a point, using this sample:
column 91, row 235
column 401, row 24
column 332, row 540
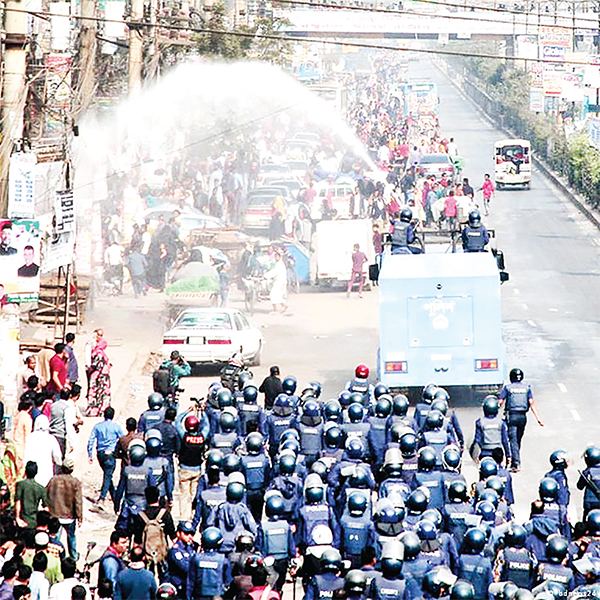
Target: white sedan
column 213, row 335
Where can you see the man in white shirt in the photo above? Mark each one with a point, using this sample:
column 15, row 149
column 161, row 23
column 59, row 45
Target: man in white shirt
column 62, row 590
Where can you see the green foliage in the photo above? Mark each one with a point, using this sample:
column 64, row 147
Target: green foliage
column 217, row 42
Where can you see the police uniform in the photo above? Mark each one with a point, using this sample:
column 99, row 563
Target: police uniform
column 179, row 558
column 257, row 471
column 477, row 570
column 474, row 239
column 323, row 586
column 209, row 576
column 150, row 418
column 517, row 396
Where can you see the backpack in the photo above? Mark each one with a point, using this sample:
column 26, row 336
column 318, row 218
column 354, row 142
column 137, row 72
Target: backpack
column 160, row 381
column 154, row 540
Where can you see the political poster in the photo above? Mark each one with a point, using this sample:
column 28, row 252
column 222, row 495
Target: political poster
column 21, row 185
column 19, row 261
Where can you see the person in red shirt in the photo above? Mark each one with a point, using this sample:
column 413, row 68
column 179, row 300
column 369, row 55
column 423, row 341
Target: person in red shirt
column 58, row 370
column 358, row 261
column 451, row 210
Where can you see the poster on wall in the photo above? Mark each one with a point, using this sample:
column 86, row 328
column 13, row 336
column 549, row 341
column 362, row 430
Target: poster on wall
column 21, row 185
column 19, row 261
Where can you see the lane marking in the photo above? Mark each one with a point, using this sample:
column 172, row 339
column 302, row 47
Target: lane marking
column 575, row 415
column 531, row 323
column 553, row 309
column 562, row 387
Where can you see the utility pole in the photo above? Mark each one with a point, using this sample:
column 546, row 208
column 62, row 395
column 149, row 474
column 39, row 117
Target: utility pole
column 14, row 90
column 135, row 46
column 87, row 58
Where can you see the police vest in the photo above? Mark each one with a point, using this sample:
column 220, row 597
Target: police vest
column 437, row 439
column 399, row 236
column 409, row 469
column 152, row 418
column 475, row 241
column 377, row 435
column 312, row 516
column 190, row 453
column 552, row 511
column 255, row 470
column 517, row 400
column 326, row 584
column 224, row 441
column 179, row 557
column 136, row 480
column 276, row 536
column 277, row 425
column 209, row 575
column 249, row 413
column 355, row 533
column 492, row 432
column 456, row 515
column 421, row 412
column 518, row 566
column 589, row 498
column 556, row 573
column 476, row 570
column 359, row 385
column 388, row 589
column 310, row 438
column 158, row 472
column 433, row 481
column 436, row 555
column 357, row 430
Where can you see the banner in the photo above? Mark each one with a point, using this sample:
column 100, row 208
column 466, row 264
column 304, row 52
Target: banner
column 21, row 185
column 536, row 100
column 64, row 209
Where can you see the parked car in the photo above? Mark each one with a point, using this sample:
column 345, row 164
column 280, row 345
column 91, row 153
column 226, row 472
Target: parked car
column 213, row 335
column 435, row 164
column 188, row 219
column 259, row 205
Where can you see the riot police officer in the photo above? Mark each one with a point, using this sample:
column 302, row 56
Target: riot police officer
column 154, row 415
column 410, row 464
column 553, row 569
column 135, row 478
column 590, row 480
column 474, row 566
column 457, row 511
column 257, row 471
column 514, row 562
column 559, row 462
column 310, row 428
column 376, row 437
column 209, row 498
column 289, row 385
column 474, row 236
column 415, row 566
column 161, row 473
column 402, row 236
column 250, row 413
column 518, row 400
column 400, row 416
column 289, row 484
column 226, row 438
column 179, row 557
column 491, row 431
column 428, row 477
column 357, row 427
column 356, row 528
column 280, row 419
column 389, row 583
column 393, row 485
column 435, row 436
column 387, row 521
column 328, row 581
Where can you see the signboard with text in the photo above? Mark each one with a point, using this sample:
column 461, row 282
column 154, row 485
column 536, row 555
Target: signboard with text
column 21, row 185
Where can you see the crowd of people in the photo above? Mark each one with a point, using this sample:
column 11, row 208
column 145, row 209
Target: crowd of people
column 353, row 497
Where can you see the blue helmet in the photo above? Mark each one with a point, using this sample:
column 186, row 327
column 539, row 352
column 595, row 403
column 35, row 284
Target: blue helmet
column 289, row 385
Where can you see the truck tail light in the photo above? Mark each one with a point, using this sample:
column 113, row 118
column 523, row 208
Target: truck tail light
column 486, row 364
column 396, row 367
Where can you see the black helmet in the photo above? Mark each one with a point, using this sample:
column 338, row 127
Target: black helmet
column 320, row 468
column 250, row 394
column 235, row 491
column 153, row 446
column 289, row 385
column 380, row 389
column 490, row 406
column 314, row 494
column 355, row 448
column 487, row 468
column 316, row 388
column 408, row 444
column 433, row 585
column 332, row 410
column 559, row 459
column 383, row 407
column 311, row 409
column 243, row 378
column 434, row 516
column 474, row 540
column 214, row 460
column 225, row 398
column 434, row 420
column 426, row 460
column 412, row 545
column 228, row 421
column 287, row 463
column 186, row 527
column 548, row 490
column 290, row 433
column 428, row 392
column 166, row 591
column 440, row 405
column 231, row 464
column 592, row 522
column 386, row 512
column 406, row 215
column 359, row 479
column 515, row 536
column 397, row 431
column 497, row 484
column 451, row 458
column 357, row 503
column 344, row 398
column 155, row 401
column 355, row 582
column 392, row 462
column 274, row 507
column 426, row 531
column 489, row 495
column 486, row 510
column 417, row 502
column 357, row 397
column 137, row 452
column 557, row 547
column 441, row 394
column 391, row 567
column 334, row 437
column 331, row 561
column 457, row 491
column 462, row 590
column 474, row 218
column 254, row 442
column 400, row 405
column 515, row 375
column 592, row 456
column 212, row 538
column 356, row 412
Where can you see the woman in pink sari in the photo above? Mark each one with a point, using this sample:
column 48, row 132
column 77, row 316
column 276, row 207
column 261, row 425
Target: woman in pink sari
column 98, row 396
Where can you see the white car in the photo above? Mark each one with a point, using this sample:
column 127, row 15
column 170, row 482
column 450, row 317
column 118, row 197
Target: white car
column 213, row 335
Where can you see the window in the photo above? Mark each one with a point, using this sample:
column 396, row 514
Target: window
column 238, row 322
column 244, row 321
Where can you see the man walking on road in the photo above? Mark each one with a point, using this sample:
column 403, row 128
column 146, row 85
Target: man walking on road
column 358, row 262
column 271, row 387
column 105, row 436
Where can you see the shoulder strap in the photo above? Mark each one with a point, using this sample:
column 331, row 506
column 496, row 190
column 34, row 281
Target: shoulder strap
column 144, row 517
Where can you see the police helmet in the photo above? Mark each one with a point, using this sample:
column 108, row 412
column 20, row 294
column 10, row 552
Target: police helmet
column 397, row 431
column 357, row 503
column 440, row 405
column 235, row 491
column 319, row 468
column 391, row 567
column 486, row 510
column 153, row 446
column 490, row 406
column 213, row 390
column 392, row 462
column 434, row 420
column 314, row 494
column 291, row 444
column 386, row 512
column 332, row 410
column 355, row 448
column 516, row 375
column 153, row 433
column 497, row 484
column 592, row 456
column 243, row 379
column 557, row 547
column 344, row 398
column 457, row 491
column 359, row 479
column 355, row 582
column 592, row 522
column 331, row 561
column 474, row 540
column 487, row 468
column 451, row 458
column 185, row 527
column 274, row 507
column 428, row 393
column 250, row 394
column 412, row 545
column 287, row 463
column 474, row 218
column 212, row 538
column 316, row 388
column 282, row 402
column 383, row 407
column 361, row 372
column 232, row 463
column 137, row 452
column 357, row 397
column 441, row 394
column 434, row 516
column 433, row 585
column 289, row 385
column 426, row 460
column 400, row 405
column 548, row 490
column 462, row 590
column 559, row 459
column 225, row 398
column 253, row 563
column 311, row 409
column 334, row 437
column 426, row 531
column 254, row 442
column 515, row 536
column 191, row 423
column 155, row 401
column 214, row 459
column 166, row 591
column 406, row 215
column 408, row 444
column 228, row 421
column 290, row 433
column 380, row 389
column 417, row 502
column 489, row 495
